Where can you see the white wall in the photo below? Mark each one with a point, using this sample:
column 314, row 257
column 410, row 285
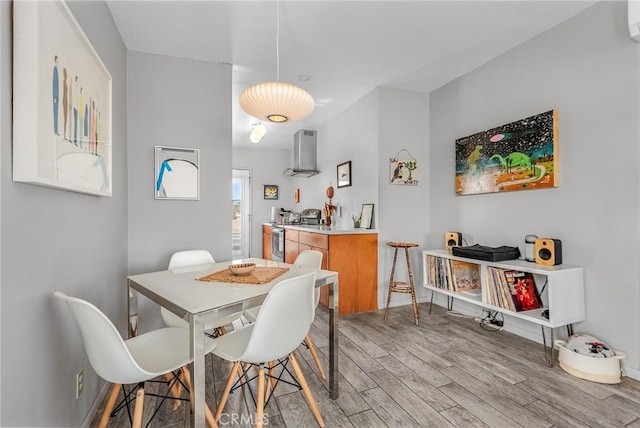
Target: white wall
column 266, row 166
column 367, row 133
column 178, row 103
column 588, row 69
column 403, row 210
column 351, row 136
column 57, row 240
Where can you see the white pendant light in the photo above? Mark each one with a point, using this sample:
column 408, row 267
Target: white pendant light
column 277, row 101
column 258, row 131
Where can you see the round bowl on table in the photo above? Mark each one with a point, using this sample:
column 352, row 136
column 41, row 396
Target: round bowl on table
column 242, row 268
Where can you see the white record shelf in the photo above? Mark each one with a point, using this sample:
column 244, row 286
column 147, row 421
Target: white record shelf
column 563, row 294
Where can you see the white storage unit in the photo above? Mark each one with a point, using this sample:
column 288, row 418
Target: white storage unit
column 563, row 294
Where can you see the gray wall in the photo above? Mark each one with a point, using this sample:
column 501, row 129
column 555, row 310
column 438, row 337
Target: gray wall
column 178, row 103
column 588, row 69
column 58, row 240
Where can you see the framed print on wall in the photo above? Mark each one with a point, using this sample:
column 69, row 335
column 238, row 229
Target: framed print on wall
column 520, row 155
column 270, row 191
column 177, row 173
column 61, row 102
column 344, row 174
column 366, row 217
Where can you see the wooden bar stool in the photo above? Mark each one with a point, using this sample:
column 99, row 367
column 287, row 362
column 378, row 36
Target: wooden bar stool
column 401, row 286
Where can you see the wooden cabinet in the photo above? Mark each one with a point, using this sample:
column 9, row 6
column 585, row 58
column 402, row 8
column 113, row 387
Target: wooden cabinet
column 291, row 248
column 354, row 257
column 266, row 242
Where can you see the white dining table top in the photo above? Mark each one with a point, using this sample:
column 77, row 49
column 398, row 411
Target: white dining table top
column 180, row 290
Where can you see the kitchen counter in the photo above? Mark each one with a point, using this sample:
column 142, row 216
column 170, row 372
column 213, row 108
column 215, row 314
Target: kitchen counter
column 329, row 230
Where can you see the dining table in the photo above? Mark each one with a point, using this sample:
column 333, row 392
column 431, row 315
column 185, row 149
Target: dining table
column 182, row 292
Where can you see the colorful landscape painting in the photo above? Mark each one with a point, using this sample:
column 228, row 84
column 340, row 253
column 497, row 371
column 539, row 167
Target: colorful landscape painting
column 521, row 155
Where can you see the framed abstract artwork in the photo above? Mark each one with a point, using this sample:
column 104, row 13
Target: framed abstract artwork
column 177, row 173
column 61, row 102
column 270, row 191
column 521, row 155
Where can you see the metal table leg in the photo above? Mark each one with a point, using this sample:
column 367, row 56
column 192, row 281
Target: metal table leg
column 333, row 339
column 196, row 351
column 132, row 310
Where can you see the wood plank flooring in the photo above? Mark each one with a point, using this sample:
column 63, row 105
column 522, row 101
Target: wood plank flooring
column 446, row 372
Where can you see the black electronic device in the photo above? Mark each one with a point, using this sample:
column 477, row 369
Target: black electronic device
column 490, row 254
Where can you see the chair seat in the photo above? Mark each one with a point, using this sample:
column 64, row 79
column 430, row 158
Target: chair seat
column 164, row 350
column 231, row 345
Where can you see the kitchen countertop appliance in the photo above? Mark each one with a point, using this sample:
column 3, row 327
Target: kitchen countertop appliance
column 289, row 217
column 310, row 216
column 277, row 243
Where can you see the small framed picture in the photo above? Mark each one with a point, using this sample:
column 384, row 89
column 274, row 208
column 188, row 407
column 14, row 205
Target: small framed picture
column 177, row 173
column 366, row 217
column 270, row 191
column 344, row 174
column 296, row 196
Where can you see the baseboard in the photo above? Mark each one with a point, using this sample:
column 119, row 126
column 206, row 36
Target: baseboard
column 93, row 410
column 401, row 300
column 630, row 373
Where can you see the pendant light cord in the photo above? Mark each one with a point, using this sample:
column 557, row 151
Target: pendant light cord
column 277, row 41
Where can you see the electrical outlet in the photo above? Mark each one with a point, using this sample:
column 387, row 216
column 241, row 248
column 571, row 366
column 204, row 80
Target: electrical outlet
column 79, row 382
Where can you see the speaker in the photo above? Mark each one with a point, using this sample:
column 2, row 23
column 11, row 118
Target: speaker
column 529, row 248
column 452, row 239
column 548, row 251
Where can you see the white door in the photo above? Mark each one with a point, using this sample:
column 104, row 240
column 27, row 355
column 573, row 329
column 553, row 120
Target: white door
column 241, row 212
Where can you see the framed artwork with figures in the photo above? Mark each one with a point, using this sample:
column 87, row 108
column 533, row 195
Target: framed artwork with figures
column 61, row 102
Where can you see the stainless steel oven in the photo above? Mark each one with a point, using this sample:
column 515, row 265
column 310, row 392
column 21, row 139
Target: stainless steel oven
column 277, row 244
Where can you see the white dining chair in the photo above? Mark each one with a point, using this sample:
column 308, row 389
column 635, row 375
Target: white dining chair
column 282, row 323
column 196, row 259
column 306, row 258
column 132, row 361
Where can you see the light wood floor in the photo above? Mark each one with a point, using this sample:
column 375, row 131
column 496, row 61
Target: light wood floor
column 446, row 372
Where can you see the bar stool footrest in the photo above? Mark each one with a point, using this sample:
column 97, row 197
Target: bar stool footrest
column 400, row 287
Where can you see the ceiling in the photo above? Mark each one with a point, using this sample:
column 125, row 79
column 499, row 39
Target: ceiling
column 347, row 48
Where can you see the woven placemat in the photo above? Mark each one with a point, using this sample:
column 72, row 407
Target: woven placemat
column 260, row 275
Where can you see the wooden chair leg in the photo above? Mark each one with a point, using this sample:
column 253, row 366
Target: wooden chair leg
column 314, row 354
column 270, row 384
column 225, row 393
column 176, row 390
column 305, row 389
column 138, row 410
column 108, row 408
column 260, row 398
column 186, row 378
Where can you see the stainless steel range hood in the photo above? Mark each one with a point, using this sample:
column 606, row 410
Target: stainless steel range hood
column 305, row 146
